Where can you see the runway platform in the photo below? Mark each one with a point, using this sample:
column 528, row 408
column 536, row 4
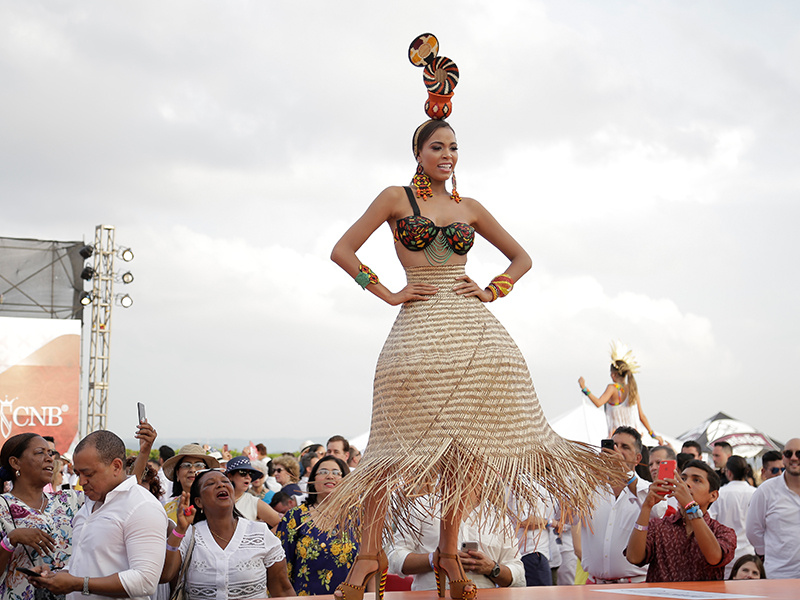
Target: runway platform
column 771, row 589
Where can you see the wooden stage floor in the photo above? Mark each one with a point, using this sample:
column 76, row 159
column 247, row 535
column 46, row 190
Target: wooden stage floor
column 771, row 589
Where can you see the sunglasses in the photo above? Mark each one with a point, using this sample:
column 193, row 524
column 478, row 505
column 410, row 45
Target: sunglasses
column 242, row 473
column 195, row 465
column 326, row 472
column 788, row 453
column 776, row 470
column 279, row 470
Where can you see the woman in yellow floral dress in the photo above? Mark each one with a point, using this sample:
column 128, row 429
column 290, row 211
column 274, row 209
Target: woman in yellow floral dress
column 317, row 560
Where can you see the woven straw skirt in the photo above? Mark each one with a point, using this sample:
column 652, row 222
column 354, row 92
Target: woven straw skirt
column 455, row 413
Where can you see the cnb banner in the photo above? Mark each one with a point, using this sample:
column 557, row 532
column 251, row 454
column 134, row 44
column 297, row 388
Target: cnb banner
column 40, row 378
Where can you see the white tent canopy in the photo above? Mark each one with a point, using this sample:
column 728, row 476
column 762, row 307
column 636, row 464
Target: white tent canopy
column 745, row 439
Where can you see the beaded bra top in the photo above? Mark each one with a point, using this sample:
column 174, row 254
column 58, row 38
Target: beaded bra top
column 417, row 233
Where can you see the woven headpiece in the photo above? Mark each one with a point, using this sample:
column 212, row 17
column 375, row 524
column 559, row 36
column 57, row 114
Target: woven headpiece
column 439, row 73
column 621, row 352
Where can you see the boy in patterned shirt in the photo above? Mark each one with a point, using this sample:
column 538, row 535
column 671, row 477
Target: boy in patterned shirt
column 687, row 545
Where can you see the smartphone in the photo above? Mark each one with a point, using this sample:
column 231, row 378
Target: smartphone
column 142, row 416
column 666, row 469
column 28, row 572
column 607, row 443
column 467, row 546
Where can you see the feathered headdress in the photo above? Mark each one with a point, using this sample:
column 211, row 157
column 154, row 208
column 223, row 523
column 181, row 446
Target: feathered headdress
column 621, row 352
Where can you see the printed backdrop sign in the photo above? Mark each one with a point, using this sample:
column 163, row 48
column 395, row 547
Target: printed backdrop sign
column 40, row 378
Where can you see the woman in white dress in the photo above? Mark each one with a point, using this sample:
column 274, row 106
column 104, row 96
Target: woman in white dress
column 230, row 558
column 620, row 399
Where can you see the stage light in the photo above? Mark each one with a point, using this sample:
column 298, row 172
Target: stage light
column 88, row 273
column 86, row 251
column 125, row 301
column 86, row 298
column 127, row 277
column 126, row 254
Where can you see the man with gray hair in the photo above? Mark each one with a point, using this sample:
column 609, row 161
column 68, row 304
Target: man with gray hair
column 118, row 536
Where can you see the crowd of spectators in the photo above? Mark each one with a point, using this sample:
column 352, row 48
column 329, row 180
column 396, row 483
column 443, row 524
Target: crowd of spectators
column 202, row 521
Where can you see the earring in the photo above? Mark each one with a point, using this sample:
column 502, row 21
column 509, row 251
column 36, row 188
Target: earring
column 423, row 183
column 454, row 194
column 17, row 474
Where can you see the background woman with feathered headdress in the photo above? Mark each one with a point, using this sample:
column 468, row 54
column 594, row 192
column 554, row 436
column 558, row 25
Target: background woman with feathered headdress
column 620, row 399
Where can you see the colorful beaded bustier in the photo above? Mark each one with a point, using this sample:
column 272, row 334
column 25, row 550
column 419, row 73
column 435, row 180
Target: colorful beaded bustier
column 417, row 233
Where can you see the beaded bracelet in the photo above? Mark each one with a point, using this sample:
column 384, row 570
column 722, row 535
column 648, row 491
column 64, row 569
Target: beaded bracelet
column 366, row 276
column 504, row 284
column 690, row 505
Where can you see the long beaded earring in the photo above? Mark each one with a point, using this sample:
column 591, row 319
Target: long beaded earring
column 454, row 194
column 423, row 184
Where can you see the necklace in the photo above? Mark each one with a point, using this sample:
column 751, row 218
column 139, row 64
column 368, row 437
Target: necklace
column 41, row 506
column 439, row 251
column 219, row 537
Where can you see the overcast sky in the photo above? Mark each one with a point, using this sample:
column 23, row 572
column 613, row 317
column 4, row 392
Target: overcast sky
column 644, row 153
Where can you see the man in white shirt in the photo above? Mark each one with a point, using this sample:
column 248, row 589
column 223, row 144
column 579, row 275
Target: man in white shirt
column 773, row 519
column 118, row 536
column 496, row 563
column 731, row 507
column 605, row 535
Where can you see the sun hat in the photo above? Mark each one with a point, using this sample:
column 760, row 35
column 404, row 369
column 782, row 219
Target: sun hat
column 188, row 451
column 242, row 463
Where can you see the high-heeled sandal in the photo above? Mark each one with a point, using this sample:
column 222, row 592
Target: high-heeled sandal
column 456, row 585
column 356, row 592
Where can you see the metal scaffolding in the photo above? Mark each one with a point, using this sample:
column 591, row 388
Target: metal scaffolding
column 99, row 341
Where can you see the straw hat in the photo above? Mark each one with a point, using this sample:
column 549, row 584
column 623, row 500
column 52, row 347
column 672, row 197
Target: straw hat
column 188, row 451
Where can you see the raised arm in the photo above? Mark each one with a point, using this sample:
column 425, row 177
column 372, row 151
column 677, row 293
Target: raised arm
column 598, row 400
column 344, row 252
column 146, row 435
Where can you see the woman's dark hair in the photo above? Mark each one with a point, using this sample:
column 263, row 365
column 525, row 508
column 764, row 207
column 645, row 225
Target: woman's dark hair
column 312, row 488
column 746, row 559
column 14, row 446
column 194, row 494
column 150, row 478
column 425, row 131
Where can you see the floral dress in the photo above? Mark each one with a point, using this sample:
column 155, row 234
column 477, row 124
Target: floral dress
column 56, row 519
column 317, row 561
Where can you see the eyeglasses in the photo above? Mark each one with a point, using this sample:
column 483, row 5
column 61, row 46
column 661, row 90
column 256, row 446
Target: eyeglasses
column 195, row 466
column 326, row 472
column 776, row 470
column 788, row 453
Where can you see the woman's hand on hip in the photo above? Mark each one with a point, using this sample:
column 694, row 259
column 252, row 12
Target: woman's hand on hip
column 467, row 287
column 413, row 292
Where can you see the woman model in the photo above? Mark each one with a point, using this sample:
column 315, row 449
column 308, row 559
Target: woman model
column 620, row 399
column 454, row 409
column 36, row 526
column 318, row 559
column 230, row 557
